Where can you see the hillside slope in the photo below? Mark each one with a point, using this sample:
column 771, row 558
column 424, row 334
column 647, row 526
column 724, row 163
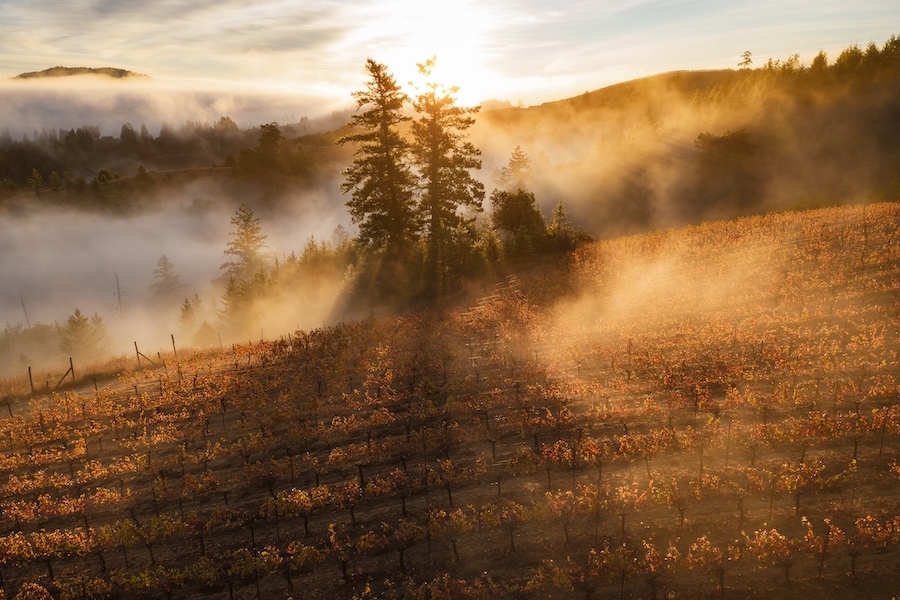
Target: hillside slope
column 683, row 147
column 696, row 412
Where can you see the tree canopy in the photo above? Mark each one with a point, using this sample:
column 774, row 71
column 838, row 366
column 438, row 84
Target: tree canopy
column 167, row 284
column 82, row 336
column 246, row 247
column 517, row 173
column 380, row 181
column 416, row 200
column 412, row 196
column 450, row 194
column 520, row 222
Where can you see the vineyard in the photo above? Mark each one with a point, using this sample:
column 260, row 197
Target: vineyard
column 704, row 412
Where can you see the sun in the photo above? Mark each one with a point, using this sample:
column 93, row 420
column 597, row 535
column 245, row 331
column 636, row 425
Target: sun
column 457, row 34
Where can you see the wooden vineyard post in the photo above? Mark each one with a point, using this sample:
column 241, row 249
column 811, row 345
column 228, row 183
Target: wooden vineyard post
column 145, row 357
column 66, row 374
column 30, row 380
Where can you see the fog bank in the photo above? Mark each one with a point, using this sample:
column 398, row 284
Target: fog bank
column 58, row 260
column 71, row 102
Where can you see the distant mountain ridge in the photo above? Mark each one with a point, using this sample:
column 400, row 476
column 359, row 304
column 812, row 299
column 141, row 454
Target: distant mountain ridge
column 71, row 71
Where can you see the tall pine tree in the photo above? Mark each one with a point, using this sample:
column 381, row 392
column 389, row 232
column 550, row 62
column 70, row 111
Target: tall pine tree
column 245, row 273
column 449, row 193
column 380, row 182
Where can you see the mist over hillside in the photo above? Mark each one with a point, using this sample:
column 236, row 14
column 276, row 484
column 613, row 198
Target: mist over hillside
column 112, row 196
column 683, row 147
column 63, row 103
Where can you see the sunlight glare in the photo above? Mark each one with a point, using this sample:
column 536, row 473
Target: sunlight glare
column 458, row 34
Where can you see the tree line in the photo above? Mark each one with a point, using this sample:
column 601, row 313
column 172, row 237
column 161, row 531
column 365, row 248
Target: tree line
column 81, row 152
column 853, row 66
column 65, row 165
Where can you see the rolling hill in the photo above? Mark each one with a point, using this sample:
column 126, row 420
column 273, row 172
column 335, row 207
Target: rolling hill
column 659, row 152
column 705, row 411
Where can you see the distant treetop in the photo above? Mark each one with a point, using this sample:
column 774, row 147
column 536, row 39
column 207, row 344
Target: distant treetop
column 70, row 71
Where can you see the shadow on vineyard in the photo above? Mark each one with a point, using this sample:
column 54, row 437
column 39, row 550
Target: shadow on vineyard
column 701, row 412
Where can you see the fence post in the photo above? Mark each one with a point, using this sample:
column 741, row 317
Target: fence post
column 30, row 380
column 174, row 351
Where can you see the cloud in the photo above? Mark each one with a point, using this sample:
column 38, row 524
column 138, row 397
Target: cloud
column 171, row 39
column 534, row 50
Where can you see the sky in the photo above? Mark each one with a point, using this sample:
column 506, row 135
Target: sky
column 524, row 51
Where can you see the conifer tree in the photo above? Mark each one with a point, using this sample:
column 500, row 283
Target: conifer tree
column 245, row 274
column 235, row 312
column 561, row 235
column 517, row 218
column 380, row 182
column 449, row 193
column 36, row 182
column 166, row 284
column 516, row 174
column 83, row 336
column 245, row 249
column 188, row 318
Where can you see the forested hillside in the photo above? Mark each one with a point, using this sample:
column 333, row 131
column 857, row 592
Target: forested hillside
column 685, row 146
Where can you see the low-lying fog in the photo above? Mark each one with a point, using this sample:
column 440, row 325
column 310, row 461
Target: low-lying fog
column 71, row 102
column 57, row 260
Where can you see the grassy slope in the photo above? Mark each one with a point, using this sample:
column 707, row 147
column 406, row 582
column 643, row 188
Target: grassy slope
column 670, row 392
